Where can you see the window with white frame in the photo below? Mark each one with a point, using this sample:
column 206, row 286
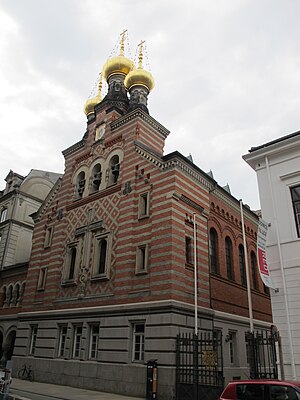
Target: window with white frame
column 93, row 343
column 42, row 278
column 33, row 337
column 295, row 192
column 144, row 205
column 102, row 256
column 3, row 214
column 77, row 335
column 142, row 258
column 138, row 346
column 63, row 333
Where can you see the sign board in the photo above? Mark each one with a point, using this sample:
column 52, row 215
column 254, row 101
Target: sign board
column 261, row 253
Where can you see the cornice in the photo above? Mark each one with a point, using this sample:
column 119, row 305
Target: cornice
column 93, row 197
column 111, row 142
column 235, row 204
column 149, row 156
column 178, row 163
column 48, row 200
column 174, row 162
column 77, row 146
column 138, row 113
column 14, row 270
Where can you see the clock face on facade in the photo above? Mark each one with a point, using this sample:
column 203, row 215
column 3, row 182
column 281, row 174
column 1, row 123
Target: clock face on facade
column 100, row 132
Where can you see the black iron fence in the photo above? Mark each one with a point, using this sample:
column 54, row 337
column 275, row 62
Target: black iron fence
column 199, row 369
column 261, row 351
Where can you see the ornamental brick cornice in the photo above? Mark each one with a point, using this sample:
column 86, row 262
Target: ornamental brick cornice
column 77, row 146
column 177, row 163
column 83, row 157
column 149, row 156
column 113, row 141
column 93, row 197
column 231, row 201
column 138, row 113
column 47, row 202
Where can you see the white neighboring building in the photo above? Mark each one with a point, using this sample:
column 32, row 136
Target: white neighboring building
column 277, row 165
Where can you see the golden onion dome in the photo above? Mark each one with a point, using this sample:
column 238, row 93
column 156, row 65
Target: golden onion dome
column 139, row 76
column 117, row 65
column 89, row 107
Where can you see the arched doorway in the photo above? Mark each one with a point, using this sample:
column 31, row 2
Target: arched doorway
column 8, row 347
column 1, row 344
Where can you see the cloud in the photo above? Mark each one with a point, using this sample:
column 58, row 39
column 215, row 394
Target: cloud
column 226, row 76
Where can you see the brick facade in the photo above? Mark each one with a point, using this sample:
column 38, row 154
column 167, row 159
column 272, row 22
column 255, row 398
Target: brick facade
column 121, row 194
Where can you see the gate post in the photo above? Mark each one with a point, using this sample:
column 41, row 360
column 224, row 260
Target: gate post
column 196, row 363
column 278, row 349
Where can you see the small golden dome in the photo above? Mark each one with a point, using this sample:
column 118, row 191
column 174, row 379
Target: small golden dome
column 89, row 107
column 117, row 65
column 139, row 76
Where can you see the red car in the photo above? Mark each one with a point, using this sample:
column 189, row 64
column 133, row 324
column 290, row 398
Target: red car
column 261, row 390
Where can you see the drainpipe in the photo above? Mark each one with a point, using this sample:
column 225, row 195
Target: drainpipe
column 247, row 270
column 9, row 228
column 282, row 272
column 195, row 276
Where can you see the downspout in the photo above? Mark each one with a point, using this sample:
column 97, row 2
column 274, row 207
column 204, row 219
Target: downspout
column 9, row 228
column 282, row 272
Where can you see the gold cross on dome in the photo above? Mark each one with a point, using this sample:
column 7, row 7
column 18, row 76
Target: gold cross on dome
column 141, row 53
column 122, row 42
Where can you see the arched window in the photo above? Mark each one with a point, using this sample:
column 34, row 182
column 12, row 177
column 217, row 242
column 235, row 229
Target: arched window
column 188, row 251
column 17, row 289
column 113, row 170
column 73, row 252
column 213, row 251
column 80, row 184
column 102, row 255
column 96, row 178
column 254, row 270
column 242, row 265
column 9, row 294
column 1, row 344
column 3, row 214
column 4, row 295
column 229, row 259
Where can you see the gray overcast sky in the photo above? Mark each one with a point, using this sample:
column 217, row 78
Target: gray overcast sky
column 227, row 76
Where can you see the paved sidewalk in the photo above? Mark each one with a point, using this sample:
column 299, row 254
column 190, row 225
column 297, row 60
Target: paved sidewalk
column 64, row 392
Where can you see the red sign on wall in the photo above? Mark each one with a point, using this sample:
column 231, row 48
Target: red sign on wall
column 261, row 253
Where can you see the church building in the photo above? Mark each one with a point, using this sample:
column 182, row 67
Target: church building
column 111, row 281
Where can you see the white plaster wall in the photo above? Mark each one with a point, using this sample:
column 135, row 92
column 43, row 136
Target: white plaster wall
column 277, row 209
